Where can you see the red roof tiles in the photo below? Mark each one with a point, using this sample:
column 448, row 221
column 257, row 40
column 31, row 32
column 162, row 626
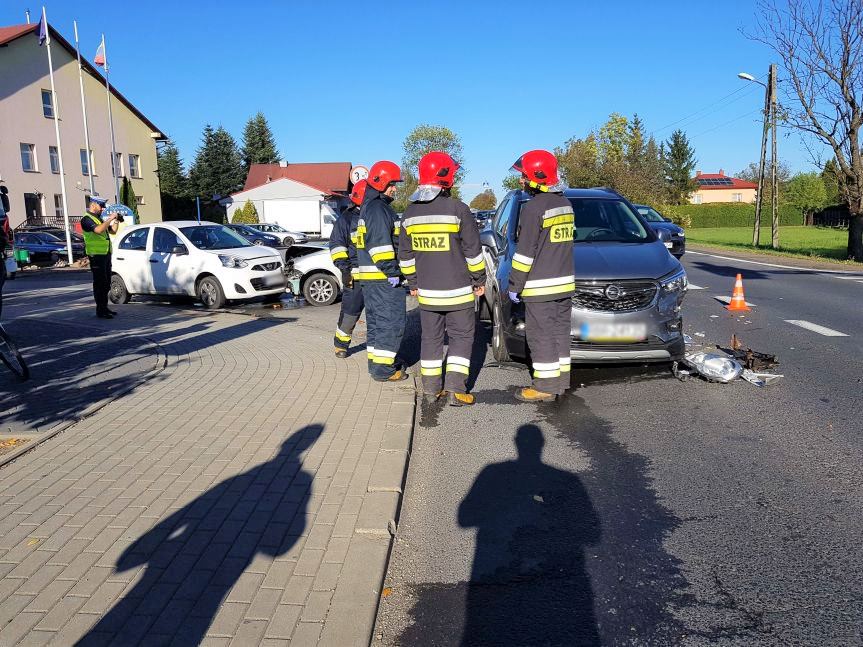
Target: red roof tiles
column 327, row 177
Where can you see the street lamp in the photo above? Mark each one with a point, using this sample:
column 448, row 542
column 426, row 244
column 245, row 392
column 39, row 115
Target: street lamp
column 769, row 116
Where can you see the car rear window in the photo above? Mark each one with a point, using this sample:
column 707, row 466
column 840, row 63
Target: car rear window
column 213, row 237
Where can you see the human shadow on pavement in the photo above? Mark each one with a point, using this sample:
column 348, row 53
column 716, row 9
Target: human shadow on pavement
column 529, row 585
column 194, row 557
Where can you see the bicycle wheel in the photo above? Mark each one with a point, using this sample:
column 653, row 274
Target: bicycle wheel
column 12, row 358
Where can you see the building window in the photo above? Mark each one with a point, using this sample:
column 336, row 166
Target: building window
column 140, row 200
column 87, row 165
column 697, row 198
column 28, row 158
column 47, row 104
column 134, row 165
column 117, row 164
column 54, row 158
column 737, row 197
column 58, row 205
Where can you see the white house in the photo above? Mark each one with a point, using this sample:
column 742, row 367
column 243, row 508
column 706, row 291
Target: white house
column 299, row 197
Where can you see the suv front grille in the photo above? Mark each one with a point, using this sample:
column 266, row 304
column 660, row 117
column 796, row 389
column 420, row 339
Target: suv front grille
column 634, row 295
column 267, row 267
column 652, row 343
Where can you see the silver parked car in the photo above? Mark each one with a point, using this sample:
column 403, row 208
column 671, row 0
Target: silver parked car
column 287, row 237
column 629, row 289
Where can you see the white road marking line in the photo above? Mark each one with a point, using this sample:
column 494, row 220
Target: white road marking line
column 821, row 330
column 782, row 267
column 854, row 277
column 692, row 286
column 727, row 300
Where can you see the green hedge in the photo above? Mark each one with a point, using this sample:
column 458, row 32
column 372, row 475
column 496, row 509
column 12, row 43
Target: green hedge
column 729, row 214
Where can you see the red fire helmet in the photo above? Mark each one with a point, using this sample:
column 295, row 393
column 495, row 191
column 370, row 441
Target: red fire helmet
column 438, row 169
column 383, row 173
column 359, row 192
column 538, row 166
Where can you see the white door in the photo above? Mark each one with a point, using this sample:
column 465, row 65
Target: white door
column 130, row 261
column 169, row 263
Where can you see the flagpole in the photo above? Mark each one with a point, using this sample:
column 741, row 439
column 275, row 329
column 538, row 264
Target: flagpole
column 57, row 133
column 111, row 123
column 84, row 107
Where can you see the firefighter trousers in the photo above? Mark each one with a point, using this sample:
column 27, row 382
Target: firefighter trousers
column 385, row 323
column 547, row 327
column 352, row 306
column 458, row 326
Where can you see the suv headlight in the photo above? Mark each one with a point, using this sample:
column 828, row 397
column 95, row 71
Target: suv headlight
column 232, row 261
column 675, row 283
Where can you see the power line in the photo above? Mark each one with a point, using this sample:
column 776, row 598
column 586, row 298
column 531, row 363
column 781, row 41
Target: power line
column 714, row 105
column 710, row 130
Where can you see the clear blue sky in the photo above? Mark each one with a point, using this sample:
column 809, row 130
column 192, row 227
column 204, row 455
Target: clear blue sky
column 339, row 81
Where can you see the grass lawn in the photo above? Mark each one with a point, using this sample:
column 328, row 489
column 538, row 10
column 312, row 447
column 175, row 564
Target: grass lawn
column 810, row 242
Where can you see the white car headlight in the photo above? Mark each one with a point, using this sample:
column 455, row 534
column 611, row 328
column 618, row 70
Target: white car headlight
column 232, row 261
column 676, row 282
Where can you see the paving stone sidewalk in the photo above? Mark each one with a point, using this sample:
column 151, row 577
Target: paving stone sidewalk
column 245, row 495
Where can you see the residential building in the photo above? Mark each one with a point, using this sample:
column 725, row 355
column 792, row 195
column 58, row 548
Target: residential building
column 718, row 187
column 299, row 197
column 29, row 159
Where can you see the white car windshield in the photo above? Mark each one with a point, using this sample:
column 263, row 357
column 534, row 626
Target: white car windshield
column 214, row 237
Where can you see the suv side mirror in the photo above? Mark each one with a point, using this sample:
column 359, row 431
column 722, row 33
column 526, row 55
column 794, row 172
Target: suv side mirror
column 487, row 239
column 180, row 250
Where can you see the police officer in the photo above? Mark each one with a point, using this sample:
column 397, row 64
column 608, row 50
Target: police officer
column 441, row 257
column 343, row 251
column 543, row 275
column 379, row 275
column 97, row 246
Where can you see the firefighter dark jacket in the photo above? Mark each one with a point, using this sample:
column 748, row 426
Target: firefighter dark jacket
column 343, row 248
column 377, row 238
column 440, row 253
column 542, row 267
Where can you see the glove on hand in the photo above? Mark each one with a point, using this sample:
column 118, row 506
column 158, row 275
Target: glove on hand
column 394, row 281
column 513, row 296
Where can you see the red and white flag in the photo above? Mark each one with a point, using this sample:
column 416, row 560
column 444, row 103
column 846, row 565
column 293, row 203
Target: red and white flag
column 99, row 59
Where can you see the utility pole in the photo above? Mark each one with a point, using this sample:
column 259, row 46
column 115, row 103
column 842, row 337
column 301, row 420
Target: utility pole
column 756, row 232
column 774, row 193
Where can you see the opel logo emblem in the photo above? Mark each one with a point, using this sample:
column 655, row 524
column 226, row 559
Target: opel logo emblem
column 613, row 292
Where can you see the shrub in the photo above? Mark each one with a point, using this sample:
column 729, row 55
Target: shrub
column 246, row 215
column 728, row 214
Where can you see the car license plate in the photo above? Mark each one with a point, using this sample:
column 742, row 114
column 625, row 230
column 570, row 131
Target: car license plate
column 616, row 332
column 274, row 281
column 669, row 245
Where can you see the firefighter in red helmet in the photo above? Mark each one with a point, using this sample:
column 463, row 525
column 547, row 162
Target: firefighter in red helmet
column 343, row 251
column 543, row 275
column 379, row 275
column 441, row 258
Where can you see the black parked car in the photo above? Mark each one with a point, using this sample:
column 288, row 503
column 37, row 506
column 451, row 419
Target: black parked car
column 670, row 234
column 628, row 288
column 256, row 237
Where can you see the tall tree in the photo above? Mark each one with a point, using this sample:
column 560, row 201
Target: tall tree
column 424, row 139
column 484, row 201
column 679, row 164
column 806, row 192
column 783, row 176
column 172, row 179
column 578, row 161
column 259, row 145
column 127, row 195
column 218, row 170
column 831, row 178
column 821, row 48
column 510, row 183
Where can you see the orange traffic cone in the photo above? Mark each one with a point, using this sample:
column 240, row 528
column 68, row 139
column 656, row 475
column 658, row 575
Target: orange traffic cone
column 738, row 302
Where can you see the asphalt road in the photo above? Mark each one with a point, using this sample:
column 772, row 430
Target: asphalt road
column 641, row 510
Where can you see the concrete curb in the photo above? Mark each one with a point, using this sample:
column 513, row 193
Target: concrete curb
column 40, row 437
column 358, row 600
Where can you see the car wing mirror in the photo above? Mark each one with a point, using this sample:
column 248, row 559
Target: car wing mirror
column 666, row 219
column 180, row 250
column 487, row 239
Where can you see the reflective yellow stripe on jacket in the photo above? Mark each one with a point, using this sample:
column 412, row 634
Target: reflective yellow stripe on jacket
column 369, row 273
column 541, row 287
column 445, row 297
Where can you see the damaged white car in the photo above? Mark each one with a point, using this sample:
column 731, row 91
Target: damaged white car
column 311, row 273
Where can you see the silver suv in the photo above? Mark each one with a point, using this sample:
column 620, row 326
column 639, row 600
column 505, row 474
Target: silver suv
column 629, row 289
